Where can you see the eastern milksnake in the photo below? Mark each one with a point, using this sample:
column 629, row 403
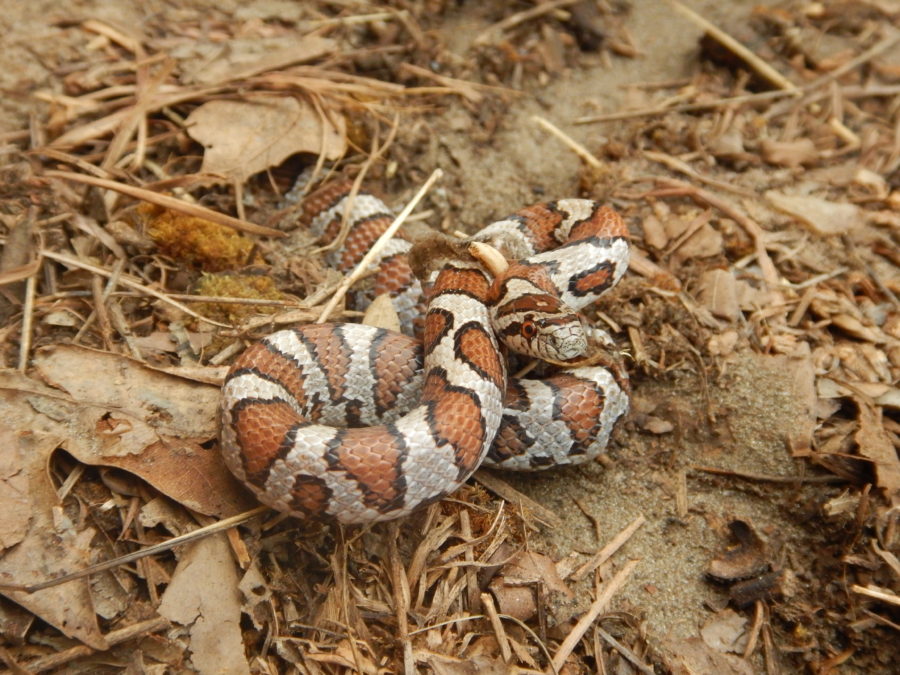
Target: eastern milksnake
column 344, row 421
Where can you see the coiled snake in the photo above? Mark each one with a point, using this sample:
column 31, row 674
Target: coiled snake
column 361, row 424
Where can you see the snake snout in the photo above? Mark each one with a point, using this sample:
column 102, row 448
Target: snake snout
column 569, row 343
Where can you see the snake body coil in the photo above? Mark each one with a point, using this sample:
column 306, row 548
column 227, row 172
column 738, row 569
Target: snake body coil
column 361, row 424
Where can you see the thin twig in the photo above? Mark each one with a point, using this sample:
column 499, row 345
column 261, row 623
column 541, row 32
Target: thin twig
column 761, row 67
column 770, row 273
column 626, row 652
column 113, row 638
column 142, row 553
column 167, row 202
column 130, row 283
column 766, row 478
column 27, row 322
column 854, row 63
column 577, row 147
column 685, row 168
column 609, row 550
column 514, row 20
column 374, row 156
column 755, row 628
column 487, row 601
column 510, row 494
column 877, row 593
column 685, row 107
column 575, row 635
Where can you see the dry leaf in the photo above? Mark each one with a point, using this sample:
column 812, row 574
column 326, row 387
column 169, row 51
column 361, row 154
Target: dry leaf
column 823, row 217
column 121, row 413
column 15, row 497
column 245, row 137
column 51, row 546
column 655, row 234
column 656, row 425
column 203, row 595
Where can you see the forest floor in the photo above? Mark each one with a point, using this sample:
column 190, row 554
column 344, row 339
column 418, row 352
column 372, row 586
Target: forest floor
column 747, row 515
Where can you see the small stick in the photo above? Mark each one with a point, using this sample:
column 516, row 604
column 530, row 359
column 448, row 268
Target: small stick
column 575, row 635
column 626, row 652
column 113, row 638
column 770, row 273
column 767, row 478
column 888, row 557
column 499, row 634
column 877, row 593
column 855, row 62
column 167, row 202
column 127, row 281
column 401, row 600
column 607, row 551
column 465, row 526
column 468, row 90
column 761, row 67
column 574, row 145
column 27, row 322
column 684, row 107
column 758, row 616
column 142, row 553
column 685, row 168
column 360, row 270
column 376, row 152
column 513, row 496
column 352, row 20
column 514, row 20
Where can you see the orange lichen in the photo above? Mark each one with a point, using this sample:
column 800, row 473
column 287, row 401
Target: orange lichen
column 251, row 286
column 199, row 243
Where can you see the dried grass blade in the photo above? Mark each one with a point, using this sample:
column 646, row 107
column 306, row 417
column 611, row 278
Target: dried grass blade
column 169, row 202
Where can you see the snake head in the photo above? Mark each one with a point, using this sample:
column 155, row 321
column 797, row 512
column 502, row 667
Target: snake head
column 531, row 319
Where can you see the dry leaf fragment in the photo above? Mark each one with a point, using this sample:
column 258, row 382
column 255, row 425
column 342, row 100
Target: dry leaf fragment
column 655, row 234
column 718, row 292
column 515, row 588
column 749, row 558
column 15, row 496
column 875, row 444
column 692, row 656
column 245, row 137
column 726, row 632
column 789, row 153
column 656, row 425
column 381, row 313
column 203, row 596
column 723, row 344
column 823, row 217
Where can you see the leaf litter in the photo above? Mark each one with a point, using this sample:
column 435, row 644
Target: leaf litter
column 761, row 317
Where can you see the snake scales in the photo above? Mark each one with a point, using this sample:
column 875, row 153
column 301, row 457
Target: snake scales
column 361, row 424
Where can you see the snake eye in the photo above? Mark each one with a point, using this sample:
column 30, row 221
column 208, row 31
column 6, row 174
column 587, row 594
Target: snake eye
column 529, row 328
